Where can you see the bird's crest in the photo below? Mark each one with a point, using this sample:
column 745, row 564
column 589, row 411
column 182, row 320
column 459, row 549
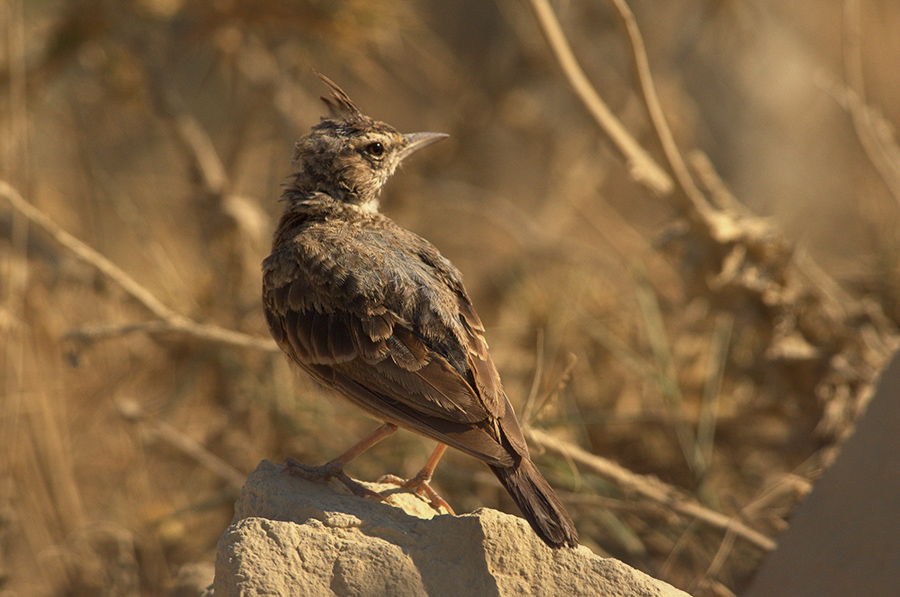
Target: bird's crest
column 339, row 104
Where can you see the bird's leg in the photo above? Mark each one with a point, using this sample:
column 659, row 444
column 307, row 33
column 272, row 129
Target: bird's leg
column 419, row 484
column 335, row 468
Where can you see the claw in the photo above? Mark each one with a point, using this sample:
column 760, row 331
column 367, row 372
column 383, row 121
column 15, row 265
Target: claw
column 329, row 470
column 419, row 485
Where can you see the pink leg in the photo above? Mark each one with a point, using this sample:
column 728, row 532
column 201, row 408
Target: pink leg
column 419, row 484
column 335, row 468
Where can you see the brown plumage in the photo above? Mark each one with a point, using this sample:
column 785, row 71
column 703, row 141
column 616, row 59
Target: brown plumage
column 377, row 313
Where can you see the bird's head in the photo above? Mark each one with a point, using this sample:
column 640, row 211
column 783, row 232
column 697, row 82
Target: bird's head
column 350, row 156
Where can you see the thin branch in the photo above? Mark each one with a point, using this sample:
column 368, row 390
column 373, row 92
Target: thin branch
column 641, row 166
column 198, row 452
column 871, row 129
column 191, row 135
column 664, row 373
column 697, row 206
column 85, row 253
column 649, row 488
column 538, row 376
column 178, row 326
column 718, row 192
column 232, row 224
column 168, row 320
column 132, row 412
column 709, row 407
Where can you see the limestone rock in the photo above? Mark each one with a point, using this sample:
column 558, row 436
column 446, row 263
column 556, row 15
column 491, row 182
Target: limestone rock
column 844, row 539
column 293, row 537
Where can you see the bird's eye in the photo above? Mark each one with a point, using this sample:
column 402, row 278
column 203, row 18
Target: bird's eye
column 376, row 149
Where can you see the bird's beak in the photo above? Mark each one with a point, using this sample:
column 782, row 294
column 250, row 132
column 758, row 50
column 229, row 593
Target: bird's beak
column 416, row 141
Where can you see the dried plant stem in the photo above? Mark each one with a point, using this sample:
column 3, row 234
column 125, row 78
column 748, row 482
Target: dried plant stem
column 712, row 223
column 168, row 321
column 131, row 411
column 191, row 136
column 709, row 409
column 199, row 453
column 664, row 373
column 875, row 137
column 85, row 253
column 697, row 207
column 649, row 488
column 175, row 326
column 642, row 167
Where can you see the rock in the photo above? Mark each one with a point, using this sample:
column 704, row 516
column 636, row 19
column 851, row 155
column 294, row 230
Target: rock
column 192, row 580
column 844, row 539
column 294, row 537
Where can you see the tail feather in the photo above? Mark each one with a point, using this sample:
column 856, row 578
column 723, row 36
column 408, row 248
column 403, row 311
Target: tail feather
column 537, row 501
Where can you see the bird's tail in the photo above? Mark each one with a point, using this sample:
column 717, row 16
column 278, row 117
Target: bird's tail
column 537, row 501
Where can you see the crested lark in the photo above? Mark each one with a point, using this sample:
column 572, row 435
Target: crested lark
column 374, row 312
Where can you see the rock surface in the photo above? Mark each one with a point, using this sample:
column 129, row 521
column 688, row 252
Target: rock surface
column 293, row 537
column 844, row 539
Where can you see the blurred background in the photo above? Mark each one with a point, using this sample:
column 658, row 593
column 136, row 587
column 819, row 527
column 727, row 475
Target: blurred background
column 728, row 365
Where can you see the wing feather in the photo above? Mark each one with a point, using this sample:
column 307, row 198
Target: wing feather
column 403, row 343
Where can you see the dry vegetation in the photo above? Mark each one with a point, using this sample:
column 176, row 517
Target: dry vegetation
column 638, row 312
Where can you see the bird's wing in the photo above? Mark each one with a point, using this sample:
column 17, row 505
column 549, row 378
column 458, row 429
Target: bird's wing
column 378, row 362
column 480, row 364
column 442, row 373
column 486, row 378
column 480, row 439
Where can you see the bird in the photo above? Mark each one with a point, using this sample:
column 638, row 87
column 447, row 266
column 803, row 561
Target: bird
column 374, row 312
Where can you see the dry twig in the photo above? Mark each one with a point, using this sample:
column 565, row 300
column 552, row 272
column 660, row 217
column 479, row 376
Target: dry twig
column 175, row 326
column 233, row 226
column 85, row 253
column 875, row 136
column 649, row 488
column 749, row 256
column 697, row 207
column 131, row 411
column 642, row 167
column 191, row 136
column 168, row 321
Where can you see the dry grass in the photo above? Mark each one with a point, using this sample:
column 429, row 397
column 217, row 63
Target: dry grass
column 686, row 366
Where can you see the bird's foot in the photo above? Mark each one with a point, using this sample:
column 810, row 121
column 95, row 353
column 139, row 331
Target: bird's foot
column 420, row 486
column 329, row 470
